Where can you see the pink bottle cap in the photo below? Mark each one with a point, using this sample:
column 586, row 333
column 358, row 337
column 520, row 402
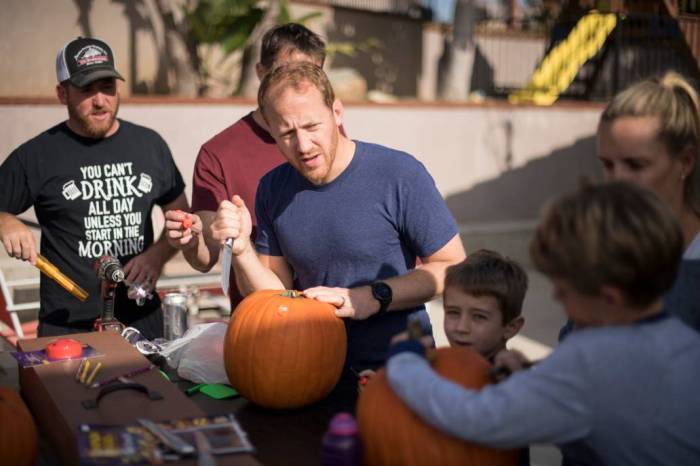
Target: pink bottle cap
column 343, row 424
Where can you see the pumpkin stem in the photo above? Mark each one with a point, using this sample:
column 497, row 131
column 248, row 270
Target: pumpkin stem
column 292, row 294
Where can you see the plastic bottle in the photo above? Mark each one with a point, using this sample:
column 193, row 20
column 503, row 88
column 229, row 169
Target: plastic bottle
column 341, row 443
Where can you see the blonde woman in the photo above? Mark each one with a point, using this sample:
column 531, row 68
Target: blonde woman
column 649, row 135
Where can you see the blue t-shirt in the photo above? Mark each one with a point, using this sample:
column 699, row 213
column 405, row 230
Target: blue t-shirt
column 368, row 224
column 684, row 298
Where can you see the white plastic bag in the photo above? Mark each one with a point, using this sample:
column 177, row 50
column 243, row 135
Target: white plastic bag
column 172, row 350
column 202, row 359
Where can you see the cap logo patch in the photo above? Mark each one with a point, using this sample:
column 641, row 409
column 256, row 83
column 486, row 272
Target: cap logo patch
column 91, row 55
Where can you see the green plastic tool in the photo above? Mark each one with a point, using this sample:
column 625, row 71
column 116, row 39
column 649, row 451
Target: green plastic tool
column 218, row 391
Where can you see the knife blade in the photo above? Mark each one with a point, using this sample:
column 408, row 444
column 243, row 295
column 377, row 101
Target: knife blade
column 226, row 265
column 204, row 456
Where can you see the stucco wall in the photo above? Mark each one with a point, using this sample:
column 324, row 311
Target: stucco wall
column 492, row 163
column 34, row 30
column 403, row 63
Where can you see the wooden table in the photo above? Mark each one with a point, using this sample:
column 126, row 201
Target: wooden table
column 283, row 438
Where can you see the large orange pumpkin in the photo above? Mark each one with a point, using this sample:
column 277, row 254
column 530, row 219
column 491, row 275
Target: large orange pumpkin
column 392, row 435
column 283, row 350
column 18, row 435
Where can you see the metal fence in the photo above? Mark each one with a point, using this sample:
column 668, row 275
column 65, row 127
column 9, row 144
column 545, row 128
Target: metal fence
column 506, row 56
column 640, row 46
column 508, row 53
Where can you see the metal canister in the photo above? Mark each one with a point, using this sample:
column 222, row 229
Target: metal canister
column 174, row 315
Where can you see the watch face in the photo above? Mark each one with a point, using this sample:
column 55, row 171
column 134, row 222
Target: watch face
column 381, row 291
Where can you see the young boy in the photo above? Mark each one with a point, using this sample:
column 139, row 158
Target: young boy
column 483, row 299
column 625, row 386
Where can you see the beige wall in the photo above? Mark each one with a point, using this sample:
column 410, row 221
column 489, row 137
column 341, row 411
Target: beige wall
column 34, row 30
column 404, row 63
column 467, row 149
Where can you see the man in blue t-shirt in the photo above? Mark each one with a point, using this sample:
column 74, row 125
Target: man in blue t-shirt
column 343, row 220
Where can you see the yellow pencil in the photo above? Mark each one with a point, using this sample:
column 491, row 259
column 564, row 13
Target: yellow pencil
column 93, row 374
column 80, row 370
column 85, row 371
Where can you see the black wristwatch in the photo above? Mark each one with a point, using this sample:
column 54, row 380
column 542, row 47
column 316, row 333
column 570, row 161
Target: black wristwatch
column 382, row 293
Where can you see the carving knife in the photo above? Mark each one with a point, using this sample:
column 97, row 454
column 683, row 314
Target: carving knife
column 226, row 265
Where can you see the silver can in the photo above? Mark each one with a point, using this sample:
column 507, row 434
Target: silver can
column 174, row 315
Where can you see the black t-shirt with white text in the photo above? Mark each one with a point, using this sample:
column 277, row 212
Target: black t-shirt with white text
column 92, row 197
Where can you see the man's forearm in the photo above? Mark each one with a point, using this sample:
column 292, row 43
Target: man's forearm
column 5, row 218
column 427, row 280
column 417, row 286
column 410, row 290
column 252, row 275
column 201, row 257
column 162, row 250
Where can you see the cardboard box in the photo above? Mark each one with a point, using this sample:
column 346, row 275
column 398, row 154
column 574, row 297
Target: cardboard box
column 55, row 398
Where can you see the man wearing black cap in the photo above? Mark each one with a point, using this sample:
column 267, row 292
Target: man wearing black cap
column 92, row 181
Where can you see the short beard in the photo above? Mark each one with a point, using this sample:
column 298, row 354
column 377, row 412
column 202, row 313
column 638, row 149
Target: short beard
column 89, row 128
column 332, row 152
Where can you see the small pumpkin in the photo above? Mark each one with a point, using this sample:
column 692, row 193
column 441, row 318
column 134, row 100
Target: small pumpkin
column 18, row 434
column 283, row 350
column 393, row 435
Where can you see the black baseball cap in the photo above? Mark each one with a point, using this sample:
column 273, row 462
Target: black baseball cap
column 84, row 60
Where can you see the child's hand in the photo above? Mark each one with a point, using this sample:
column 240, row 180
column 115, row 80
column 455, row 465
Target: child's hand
column 506, row 362
column 404, row 341
column 426, row 340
